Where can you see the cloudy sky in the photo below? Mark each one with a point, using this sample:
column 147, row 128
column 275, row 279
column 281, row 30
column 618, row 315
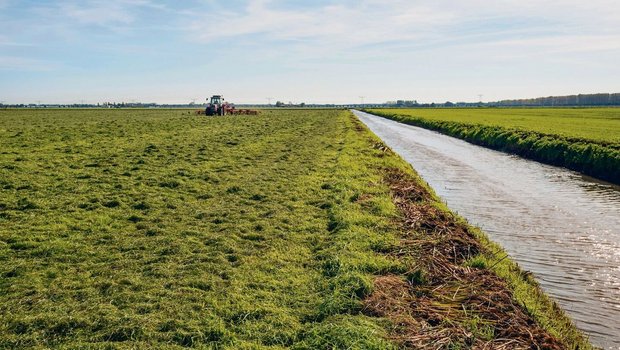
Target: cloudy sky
column 317, row 51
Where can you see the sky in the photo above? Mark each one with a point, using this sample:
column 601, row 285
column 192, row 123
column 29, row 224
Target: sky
column 319, row 51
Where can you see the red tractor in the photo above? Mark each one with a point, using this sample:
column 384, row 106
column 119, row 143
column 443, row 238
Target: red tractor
column 217, row 106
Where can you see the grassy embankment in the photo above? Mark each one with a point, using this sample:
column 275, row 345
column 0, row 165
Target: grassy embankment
column 586, row 140
column 153, row 229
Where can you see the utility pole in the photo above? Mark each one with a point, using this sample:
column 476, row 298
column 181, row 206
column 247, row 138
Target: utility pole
column 480, row 97
column 362, row 100
column 269, row 100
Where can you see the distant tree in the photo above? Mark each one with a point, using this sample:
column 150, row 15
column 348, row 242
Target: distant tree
column 602, row 99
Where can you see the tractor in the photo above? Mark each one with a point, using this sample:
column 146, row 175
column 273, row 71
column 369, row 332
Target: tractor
column 217, row 106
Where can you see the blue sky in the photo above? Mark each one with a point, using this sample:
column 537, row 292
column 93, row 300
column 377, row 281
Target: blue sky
column 320, row 51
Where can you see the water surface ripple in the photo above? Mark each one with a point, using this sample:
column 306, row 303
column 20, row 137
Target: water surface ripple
column 556, row 223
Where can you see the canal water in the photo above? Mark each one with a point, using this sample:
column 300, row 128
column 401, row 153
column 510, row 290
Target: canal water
column 560, row 225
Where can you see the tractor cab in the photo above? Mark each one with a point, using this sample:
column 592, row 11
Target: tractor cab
column 216, row 100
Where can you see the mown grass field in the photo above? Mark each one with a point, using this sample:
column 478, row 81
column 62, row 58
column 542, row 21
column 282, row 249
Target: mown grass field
column 159, row 229
column 582, row 139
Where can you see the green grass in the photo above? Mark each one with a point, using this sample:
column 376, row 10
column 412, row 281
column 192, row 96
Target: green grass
column 152, row 228
column 128, row 229
column 601, row 125
column 582, row 139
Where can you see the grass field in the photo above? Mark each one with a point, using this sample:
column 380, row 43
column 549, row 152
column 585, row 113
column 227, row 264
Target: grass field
column 159, row 229
column 601, row 125
column 582, row 139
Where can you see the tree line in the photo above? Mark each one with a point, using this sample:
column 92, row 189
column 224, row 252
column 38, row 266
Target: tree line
column 602, row 99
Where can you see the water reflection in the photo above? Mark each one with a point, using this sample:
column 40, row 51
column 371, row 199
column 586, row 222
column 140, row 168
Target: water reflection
column 562, row 226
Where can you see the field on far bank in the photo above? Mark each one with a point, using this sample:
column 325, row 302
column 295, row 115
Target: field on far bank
column 601, row 125
column 582, row 139
column 292, row 229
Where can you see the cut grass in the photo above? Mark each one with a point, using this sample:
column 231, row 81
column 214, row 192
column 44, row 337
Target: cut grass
column 141, row 228
column 157, row 229
column 586, row 140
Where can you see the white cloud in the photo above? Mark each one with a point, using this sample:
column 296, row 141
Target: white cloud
column 371, row 22
column 68, row 20
column 368, row 22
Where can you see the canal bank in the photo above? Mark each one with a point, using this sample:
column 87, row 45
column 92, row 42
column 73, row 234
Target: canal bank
column 559, row 225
